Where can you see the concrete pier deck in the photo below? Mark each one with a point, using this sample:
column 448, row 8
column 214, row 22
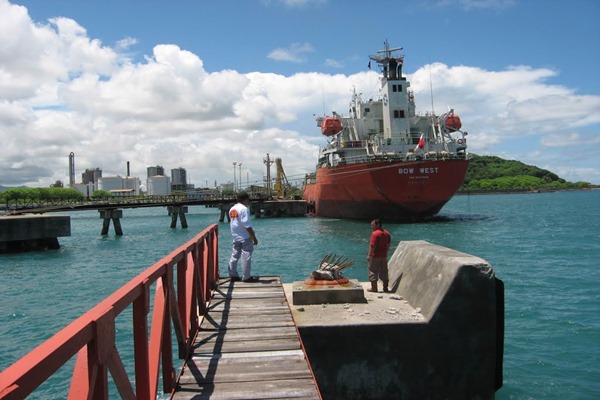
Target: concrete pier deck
column 380, row 308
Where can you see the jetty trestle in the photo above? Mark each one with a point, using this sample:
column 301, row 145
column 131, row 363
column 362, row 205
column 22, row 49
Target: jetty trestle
column 178, row 211
column 113, row 214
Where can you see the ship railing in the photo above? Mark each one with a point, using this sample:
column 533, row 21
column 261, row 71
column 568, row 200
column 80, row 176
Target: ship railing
column 353, row 143
column 398, row 140
column 183, row 284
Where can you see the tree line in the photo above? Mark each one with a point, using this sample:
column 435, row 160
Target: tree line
column 495, row 174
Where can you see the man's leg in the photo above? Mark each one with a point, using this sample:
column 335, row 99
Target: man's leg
column 383, row 274
column 372, row 276
column 236, row 252
column 247, row 248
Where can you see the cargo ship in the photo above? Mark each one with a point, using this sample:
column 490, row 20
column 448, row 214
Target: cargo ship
column 384, row 160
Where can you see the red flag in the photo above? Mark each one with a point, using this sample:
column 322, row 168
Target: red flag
column 421, row 143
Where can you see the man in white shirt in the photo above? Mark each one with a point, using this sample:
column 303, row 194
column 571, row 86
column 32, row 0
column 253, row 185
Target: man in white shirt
column 244, row 239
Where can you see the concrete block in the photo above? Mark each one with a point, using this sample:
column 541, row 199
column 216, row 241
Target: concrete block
column 453, row 352
column 39, row 226
column 32, row 232
column 351, row 292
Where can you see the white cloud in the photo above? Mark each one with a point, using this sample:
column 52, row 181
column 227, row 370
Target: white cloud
column 294, row 3
column 294, row 53
column 334, row 63
column 126, row 43
column 471, row 4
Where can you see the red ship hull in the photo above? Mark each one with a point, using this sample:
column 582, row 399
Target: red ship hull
column 393, row 191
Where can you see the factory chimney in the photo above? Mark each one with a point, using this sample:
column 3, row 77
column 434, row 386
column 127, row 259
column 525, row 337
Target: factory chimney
column 71, row 169
column 128, row 168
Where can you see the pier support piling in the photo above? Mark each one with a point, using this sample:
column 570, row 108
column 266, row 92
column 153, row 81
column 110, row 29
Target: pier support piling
column 224, row 209
column 114, row 214
column 180, row 211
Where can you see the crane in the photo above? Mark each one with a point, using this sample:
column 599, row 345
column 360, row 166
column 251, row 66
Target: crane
column 281, row 182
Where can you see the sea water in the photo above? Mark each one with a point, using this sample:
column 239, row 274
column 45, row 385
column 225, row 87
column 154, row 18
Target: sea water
column 544, row 246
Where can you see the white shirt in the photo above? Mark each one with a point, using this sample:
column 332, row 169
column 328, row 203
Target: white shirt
column 240, row 220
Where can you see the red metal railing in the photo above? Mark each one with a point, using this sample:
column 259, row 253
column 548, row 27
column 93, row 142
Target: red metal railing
column 192, row 268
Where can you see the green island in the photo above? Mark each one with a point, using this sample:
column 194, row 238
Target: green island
column 487, row 174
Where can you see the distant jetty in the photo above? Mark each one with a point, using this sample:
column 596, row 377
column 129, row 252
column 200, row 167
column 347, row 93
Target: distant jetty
column 32, row 232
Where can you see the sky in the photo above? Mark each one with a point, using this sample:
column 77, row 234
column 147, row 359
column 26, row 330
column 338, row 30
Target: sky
column 205, row 84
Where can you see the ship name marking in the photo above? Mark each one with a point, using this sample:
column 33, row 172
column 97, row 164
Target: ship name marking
column 409, row 171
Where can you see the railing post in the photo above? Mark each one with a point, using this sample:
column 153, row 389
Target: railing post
column 141, row 307
column 174, row 310
column 168, row 372
column 214, row 260
column 182, row 291
column 201, row 273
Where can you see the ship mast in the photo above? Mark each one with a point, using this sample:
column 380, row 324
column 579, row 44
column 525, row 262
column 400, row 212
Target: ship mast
column 389, row 63
column 395, row 95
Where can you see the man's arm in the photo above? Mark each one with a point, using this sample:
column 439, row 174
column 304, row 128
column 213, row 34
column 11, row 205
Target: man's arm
column 252, row 235
column 372, row 244
column 371, row 252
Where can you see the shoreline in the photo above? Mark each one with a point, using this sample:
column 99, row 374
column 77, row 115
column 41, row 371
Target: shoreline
column 524, row 191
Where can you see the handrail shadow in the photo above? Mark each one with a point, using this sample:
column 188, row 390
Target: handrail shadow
column 218, row 329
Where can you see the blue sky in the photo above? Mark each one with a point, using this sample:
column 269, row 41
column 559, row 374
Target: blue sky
column 201, row 84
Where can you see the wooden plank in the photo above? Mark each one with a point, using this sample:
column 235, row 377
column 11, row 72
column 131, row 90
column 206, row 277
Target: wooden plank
column 244, row 370
column 272, row 332
column 270, row 389
column 249, row 310
column 247, row 321
column 241, row 346
column 249, row 294
column 248, row 304
column 257, row 355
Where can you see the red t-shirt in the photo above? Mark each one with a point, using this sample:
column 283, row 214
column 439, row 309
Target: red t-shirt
column 380, row 241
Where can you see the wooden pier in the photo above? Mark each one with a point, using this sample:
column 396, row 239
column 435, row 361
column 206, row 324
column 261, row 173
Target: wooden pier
column 248, row 347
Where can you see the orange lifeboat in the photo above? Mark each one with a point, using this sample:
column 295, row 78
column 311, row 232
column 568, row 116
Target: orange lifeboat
column 453, row 122
column 330, row 126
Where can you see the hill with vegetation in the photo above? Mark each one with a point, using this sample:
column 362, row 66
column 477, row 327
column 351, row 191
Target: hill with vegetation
column 495, row 174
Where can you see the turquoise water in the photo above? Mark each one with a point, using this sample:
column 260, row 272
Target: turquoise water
column 545, row 247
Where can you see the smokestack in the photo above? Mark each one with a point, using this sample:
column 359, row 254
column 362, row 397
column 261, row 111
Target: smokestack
column 71, row 169
column 128, row 168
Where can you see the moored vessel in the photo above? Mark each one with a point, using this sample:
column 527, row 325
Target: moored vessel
column 383, row 159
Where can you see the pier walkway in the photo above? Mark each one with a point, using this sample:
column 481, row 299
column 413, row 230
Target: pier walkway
column 247, row 347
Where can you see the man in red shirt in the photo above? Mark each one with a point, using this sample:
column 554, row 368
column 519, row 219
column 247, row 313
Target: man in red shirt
column 377, row 257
